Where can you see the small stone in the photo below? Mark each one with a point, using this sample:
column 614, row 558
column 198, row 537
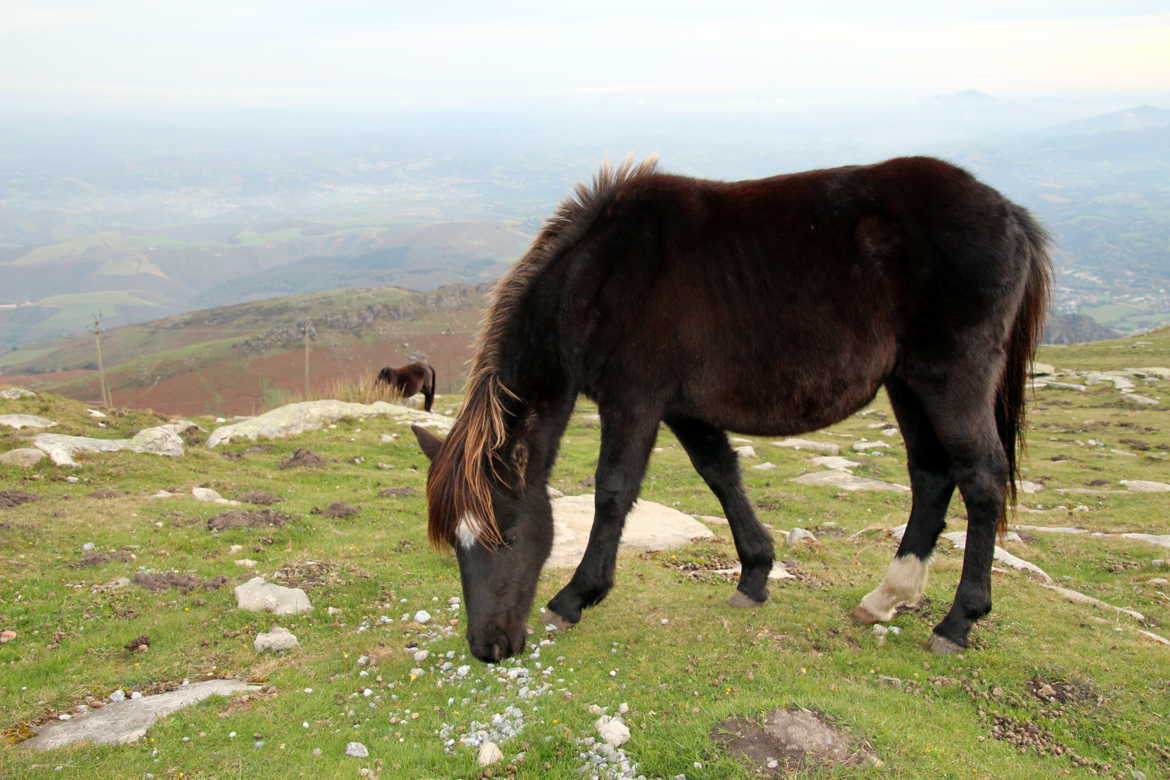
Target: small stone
column 87, row 546
column 623, row 708
column 612, row 730
column 257, row 595
column 746, row 451
column 421, row 656
column 7, row 636
column 422, row 616
column 275, row 640
column 136, row 695
column 489, row 753
column 207, row 494
column 594, row 709
column 357, row 750
column 247, row 563
column 798, row 536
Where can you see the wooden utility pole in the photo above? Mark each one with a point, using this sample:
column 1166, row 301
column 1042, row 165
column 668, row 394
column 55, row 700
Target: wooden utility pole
column 107, row 399
column 306, row 326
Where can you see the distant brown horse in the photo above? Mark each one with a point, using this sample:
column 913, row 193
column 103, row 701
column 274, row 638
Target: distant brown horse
column 410, row 379
column 771, row 308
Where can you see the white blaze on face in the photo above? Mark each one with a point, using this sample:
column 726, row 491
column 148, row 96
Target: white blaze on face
column 904, row 583
column 465, row 532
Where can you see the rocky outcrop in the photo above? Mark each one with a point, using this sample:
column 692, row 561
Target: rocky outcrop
column 297, row 418
column 152, row 441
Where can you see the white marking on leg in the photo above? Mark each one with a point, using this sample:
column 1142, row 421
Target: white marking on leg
column 904, row 583
column 466, row 531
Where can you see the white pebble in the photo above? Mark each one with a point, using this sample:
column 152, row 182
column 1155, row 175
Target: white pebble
column 421, row 656
column 489, row 753
column 357, row 750
column 422, row 616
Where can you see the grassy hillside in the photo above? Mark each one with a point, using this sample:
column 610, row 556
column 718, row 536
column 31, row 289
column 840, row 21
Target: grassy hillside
column 241, row 358
column 1050, row 688
column 55, row 289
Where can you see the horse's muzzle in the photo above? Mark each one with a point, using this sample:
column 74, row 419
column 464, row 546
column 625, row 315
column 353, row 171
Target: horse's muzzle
column 496, row 645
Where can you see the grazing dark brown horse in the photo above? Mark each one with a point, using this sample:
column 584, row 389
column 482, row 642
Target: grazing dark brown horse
column 769, row 307
column 411, row 379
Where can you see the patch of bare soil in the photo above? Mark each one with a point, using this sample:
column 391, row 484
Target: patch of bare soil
column 337, row 509
column 1028, row 735
column 247, row 518
column 97, row 559
column 396, row 492
column 311, row 574
column 106, row 493
column 177, row 580
column 11, row 498
column 259, row 498
column 304, row 459
column 791, row 740
column 241, row 454
column 1064, row 692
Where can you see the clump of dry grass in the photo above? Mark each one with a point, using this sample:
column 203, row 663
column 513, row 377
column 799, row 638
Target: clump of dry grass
column 360, row 390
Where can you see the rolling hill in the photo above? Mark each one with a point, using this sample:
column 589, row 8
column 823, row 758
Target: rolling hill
column 240, row 358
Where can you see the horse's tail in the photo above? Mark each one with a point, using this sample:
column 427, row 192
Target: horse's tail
column 1025, row 334
column 428, row 387
column 458, row 486
column 384, row 376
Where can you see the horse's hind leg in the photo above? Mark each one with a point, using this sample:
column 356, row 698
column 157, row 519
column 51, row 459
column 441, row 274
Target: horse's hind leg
column 627, row 436
column 716, row 463
column 963, row 414
column 932, row 486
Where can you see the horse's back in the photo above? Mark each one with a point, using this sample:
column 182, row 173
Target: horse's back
column 796, row 293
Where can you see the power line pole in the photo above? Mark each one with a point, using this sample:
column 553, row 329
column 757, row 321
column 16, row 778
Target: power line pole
column 107, row 399
column 305, row 327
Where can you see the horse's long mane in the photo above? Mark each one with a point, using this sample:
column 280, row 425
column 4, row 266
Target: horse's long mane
column 458, row 486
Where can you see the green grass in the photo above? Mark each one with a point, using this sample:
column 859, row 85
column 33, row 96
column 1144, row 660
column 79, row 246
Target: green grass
column 679, row 677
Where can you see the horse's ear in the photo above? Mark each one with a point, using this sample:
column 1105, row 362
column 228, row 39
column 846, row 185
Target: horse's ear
column 428, row 441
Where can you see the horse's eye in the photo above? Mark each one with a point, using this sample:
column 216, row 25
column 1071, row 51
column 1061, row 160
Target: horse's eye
column 509, row 537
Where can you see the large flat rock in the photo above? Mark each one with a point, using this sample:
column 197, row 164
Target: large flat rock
column 840, row 478
column 295, row 419
column 649, row 526
column 126, row 721
column 161, row 440
column 19, row 421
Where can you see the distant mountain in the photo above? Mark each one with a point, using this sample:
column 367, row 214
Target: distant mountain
column 55, row 290
column 1075, row 329
column 1129, row 119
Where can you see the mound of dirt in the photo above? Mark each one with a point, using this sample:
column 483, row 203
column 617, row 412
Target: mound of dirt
column 337, row 509
column 11, row 498
column 791, row 741
column 248, row 518
column 173, row 579
column 107, row 493
column 260, row 498
column 304, row 459
column 396, row 492
column 97, row 559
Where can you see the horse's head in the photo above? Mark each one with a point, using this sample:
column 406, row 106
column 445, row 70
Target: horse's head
column 501, row 530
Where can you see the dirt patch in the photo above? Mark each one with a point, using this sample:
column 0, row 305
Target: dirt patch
column 177, row 580
column 138, row 644
column 248, row 518
column 107, row 493
column 259, row 498
column 11, row 498
column 311, row 574
column 399, row 492
column 1064, row 691
column 337, row 509
column 304, row 459
column 791, row 740
column 241, row 454
column 97, row 559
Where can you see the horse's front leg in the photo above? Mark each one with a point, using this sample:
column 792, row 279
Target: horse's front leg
column 626, row 441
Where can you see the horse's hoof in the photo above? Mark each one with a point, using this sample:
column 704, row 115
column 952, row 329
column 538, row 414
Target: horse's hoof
column 741, row 599
column 553, row 619
column 942, row 645
column 864, row 616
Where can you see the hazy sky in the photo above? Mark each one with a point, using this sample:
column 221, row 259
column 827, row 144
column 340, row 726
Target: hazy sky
column 439, row 53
